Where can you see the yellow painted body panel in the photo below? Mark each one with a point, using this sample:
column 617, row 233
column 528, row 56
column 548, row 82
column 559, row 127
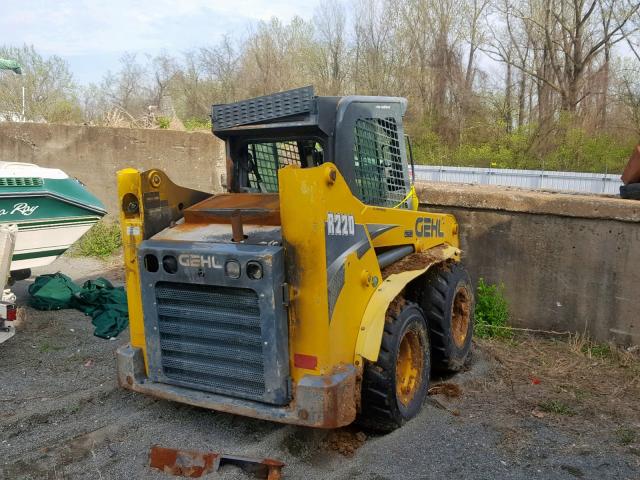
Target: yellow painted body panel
column 307, row 199
column 132, row 234
column 171, row 199
column 372, row 326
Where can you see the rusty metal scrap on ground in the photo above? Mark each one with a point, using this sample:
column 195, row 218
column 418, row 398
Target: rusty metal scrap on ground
column 195, row 464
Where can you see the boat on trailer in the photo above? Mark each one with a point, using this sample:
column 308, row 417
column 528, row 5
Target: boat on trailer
column 50, row 209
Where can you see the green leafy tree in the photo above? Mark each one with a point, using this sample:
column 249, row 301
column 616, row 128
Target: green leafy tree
column 51, row 93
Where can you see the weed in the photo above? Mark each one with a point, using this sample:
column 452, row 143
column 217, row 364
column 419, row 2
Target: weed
column 163, row 122
column 101, row 241
column 583, row 345
column 492, row 311
column 555, row 406
column 597, row 350
column 626, row 436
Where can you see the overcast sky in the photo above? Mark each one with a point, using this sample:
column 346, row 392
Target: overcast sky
column 92, row 35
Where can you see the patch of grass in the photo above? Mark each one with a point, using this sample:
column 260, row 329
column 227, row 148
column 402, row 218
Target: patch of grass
column 626, row 436
column 492, row 311
column 555, row 406
column 581, row 395
column 47, row 347
column 583, row 345
column 193, row 124
column 102, row 241
column 597, row 350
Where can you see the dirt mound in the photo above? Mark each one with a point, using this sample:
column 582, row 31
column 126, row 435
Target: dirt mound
column 344, row 441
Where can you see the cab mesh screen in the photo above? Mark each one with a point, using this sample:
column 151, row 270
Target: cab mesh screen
column 266, row 158
column 379, row 173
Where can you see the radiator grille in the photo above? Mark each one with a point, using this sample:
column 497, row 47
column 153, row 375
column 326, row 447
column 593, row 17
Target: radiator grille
column 211, row 338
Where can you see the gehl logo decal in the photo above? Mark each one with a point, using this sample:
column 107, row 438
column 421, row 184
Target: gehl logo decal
column 428, row 227
column 198, row 261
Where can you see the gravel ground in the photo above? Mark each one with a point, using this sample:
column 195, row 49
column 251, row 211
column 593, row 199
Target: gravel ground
column 63, row 416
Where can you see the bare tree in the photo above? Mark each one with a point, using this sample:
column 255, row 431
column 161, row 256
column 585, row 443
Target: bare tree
column 475, row 36
column 330, row 24
column 128, row 88
column 571, row 36
column 375, row 63
column 220, row 64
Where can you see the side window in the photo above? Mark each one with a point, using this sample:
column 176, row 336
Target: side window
column 265, row 158
column 264, row 161
column 379, row 172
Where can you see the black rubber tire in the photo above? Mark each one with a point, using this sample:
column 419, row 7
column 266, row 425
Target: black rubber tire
column 436, row 297
column 381, row 409
column 17, row 275
column 631, row 191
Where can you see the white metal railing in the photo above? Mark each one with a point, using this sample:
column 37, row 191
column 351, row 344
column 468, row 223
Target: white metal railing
column 532, row 179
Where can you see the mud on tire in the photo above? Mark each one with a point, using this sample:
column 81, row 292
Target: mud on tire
column 446, row 297
column 395, row 387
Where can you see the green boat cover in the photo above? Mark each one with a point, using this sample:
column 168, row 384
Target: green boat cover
column 10, row 65
column 106, row 304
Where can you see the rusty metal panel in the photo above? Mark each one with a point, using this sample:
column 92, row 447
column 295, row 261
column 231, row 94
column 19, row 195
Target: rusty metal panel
column 195, row 464
column 326, row 401
column 254, row 208
column 631, row 172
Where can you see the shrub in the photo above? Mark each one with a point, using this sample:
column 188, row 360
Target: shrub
column 192, row 124
column 492, row 311
column 559, row 147
column 163, row 122
column 100, row 241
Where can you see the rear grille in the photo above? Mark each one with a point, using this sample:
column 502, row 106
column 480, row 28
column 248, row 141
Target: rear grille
column 211, row 338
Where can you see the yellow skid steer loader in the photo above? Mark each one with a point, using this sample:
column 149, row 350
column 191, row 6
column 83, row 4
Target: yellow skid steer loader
column 313, row 292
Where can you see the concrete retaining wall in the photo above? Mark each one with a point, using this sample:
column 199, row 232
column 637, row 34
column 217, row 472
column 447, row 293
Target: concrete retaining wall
column 568, row 262
column 95, row 154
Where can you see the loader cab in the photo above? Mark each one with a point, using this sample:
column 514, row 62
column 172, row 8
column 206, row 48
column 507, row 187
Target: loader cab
column 362, row 135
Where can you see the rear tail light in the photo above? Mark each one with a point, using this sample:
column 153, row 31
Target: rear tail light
column 310, row 362
column 8, row 311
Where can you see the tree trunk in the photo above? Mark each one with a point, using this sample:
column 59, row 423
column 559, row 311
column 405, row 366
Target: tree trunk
column 521, row 99
column 508, row 116
column 604, row 84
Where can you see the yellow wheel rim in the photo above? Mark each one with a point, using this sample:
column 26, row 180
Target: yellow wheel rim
column 460, row 316
column 409, row 366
